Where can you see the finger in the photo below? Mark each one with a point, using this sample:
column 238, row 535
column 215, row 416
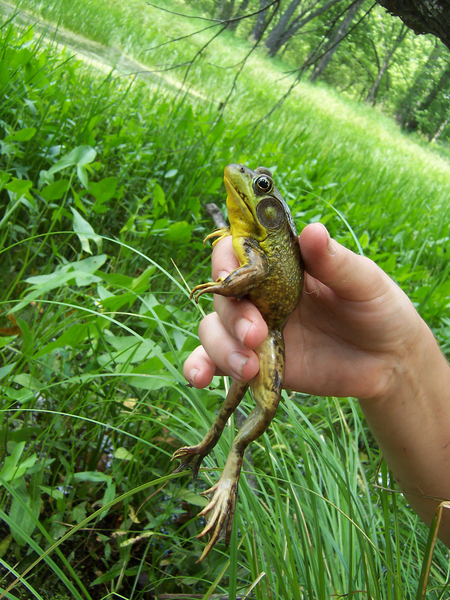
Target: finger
column 349, row 275
column 225, row 351
column 223, row 258
column 199, row 369
column 242, row 320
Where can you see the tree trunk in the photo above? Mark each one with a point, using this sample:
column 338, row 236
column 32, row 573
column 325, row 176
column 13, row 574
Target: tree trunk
column 423, row 16
column 239, row 13
column 442, row 82
column 282, row 24
column 224, row 9
column 440, row 130
column 424, row 105
column 422, row 82
column 296, row 24
column 336, row 38
column 260, row 25
column 373, row 92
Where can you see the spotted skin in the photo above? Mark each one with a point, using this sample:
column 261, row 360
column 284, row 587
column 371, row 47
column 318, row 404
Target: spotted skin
column 271, row 276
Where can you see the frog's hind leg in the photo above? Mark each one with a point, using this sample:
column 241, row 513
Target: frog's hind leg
column 266, row 388
column 192, row 456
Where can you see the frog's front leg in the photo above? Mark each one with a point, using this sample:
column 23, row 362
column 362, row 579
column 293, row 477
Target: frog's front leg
column 243, row 279
column 192, row 456
column 266, row 389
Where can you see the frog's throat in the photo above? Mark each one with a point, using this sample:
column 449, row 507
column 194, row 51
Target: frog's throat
column 238, row 209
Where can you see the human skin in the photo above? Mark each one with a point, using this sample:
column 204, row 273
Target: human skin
column 354, row 333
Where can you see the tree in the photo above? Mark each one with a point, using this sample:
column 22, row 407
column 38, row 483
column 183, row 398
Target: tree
column 436, row 91
column 373, row 92
column 260, row 25
column 423, row 16
column 287, row 28
column 420, row 86
column 226, row 8
column 335, row 38
column 239, row 13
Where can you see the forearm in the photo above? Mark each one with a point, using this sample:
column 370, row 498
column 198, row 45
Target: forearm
column 411, row 423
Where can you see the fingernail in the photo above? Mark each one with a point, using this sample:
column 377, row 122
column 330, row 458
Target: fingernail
column 331, row 247
column 330, row 244
column 237, row 362
column 241, row 329
column 192, row 375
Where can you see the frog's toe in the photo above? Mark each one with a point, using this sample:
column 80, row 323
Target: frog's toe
column 222, row 507
column 190, row 458
column 210, row 287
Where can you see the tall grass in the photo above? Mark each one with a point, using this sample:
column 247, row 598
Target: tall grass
column 102, row 185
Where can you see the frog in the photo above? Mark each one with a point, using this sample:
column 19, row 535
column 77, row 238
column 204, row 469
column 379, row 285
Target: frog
column 270, row 275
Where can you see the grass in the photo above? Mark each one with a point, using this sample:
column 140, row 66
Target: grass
column 103, row 181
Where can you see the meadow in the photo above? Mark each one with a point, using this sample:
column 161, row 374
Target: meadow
column 103, row 181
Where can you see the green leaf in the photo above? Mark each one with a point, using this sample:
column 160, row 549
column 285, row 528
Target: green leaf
column 159, row 201
column 4, row 341
column 192, row 498
column 4, row 178
column 109, row 495
column 26, row 334
column 180, row 232
column 80, row 156
column 123, row 454
column 12, row 469
column 364, row 240
column 12, row 460
column 129, row 349
column 140, row 284
column 4, row 73
column 85, row 232
column 27, row 381
column 91, row 476
column 20, row 187
column 52, row 492
column 82, row 176
column 79, row 512
column 171, row 173
column 81, row 272
column 6, row 370
column 23, row 395
column 24, row 520
column 23, row 135
column 109, row 576
column 55, row 190
column 104, row 190
column 20, row 58
column 73, row 338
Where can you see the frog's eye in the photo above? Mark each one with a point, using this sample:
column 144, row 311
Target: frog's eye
column 263, row 184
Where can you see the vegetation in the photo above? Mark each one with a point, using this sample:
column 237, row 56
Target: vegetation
column 102, row 186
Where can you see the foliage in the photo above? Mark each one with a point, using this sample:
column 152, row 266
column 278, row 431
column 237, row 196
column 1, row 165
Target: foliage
column 102, row 184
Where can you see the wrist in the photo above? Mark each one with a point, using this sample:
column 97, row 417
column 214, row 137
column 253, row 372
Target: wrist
column 413, row 413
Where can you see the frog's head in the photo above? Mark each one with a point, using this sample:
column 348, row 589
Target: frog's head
column 255, row 206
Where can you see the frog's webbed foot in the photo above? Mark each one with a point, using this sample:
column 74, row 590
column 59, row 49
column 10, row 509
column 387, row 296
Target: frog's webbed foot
column 222, row 505
column 190, row 456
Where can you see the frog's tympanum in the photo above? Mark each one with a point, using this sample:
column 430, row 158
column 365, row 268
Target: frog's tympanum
column 271, row 276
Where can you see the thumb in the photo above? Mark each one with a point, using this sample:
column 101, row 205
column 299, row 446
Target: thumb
column 349, row 275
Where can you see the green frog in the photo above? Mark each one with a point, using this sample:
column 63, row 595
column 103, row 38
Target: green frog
column 270, row 274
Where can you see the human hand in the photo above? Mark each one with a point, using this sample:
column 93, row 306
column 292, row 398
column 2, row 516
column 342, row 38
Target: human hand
column 349, row 336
